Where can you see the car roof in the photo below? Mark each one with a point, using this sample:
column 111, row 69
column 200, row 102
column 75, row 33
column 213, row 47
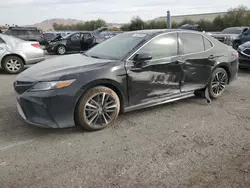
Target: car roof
column 23, row 28
column 159, row 31
column 242, row 27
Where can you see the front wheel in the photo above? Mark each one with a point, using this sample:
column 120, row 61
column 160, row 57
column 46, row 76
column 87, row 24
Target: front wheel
column 217, row 83
column 98, row 108
column 61, row 50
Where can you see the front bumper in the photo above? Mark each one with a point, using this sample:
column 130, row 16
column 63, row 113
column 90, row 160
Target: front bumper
column 47, row 109
column 50, row 48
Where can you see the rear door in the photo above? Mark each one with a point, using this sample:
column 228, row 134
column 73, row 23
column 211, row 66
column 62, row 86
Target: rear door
column 198, row 60
column 2, row 47
column 87, row 40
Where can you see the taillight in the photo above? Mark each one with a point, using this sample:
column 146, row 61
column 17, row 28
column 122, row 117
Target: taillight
column 235, row 53
column 36, row 45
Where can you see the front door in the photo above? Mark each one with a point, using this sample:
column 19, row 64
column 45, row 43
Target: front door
column 74, row 42
column 158, row 77
column 196, row 52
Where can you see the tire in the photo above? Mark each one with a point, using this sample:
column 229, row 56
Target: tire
column 93, row 116
column 13, row 64
column 217, row 83
column 236, row 45
column 61, row 50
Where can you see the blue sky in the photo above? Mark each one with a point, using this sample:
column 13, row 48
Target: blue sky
column 120, row 11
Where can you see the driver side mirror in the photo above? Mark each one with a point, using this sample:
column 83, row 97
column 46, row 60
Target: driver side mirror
column 142, row 57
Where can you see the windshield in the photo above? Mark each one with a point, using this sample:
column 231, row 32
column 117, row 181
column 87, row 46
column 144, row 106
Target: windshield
column 117, row 47
column 232, row 31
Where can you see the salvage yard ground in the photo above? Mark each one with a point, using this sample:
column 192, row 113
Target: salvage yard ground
column 188, row 143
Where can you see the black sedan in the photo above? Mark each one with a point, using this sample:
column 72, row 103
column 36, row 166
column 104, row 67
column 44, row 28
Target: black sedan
column 130, row 71
column 244, row 55
column 73, row 42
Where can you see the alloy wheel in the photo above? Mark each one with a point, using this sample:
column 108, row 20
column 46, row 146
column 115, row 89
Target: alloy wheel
column 100, row 110
column 61, row 50
column 219, row 83
column 13, row 65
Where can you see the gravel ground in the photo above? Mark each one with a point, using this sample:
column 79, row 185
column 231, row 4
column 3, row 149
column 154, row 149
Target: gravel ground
column 188, row 143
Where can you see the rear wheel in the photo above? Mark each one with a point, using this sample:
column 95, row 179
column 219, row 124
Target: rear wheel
column 98, row 108
column 13, row 64
column 217, row 83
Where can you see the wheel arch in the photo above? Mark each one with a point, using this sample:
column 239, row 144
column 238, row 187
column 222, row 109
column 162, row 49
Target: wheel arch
column 102, row 82
column 17, row 55
column 226, row 68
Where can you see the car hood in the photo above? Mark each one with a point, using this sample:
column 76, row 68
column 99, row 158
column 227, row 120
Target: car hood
column 57, row 38
column 246, row 44
column 56, row 68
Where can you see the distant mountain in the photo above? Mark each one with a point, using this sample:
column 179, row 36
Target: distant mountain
column 47, row 25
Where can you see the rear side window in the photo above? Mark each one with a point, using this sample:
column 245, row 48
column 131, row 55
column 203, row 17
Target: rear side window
column 190, row 43
column 162, row 46
column 207, row 44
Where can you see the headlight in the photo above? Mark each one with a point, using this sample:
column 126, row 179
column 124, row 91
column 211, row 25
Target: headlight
column 44, row 86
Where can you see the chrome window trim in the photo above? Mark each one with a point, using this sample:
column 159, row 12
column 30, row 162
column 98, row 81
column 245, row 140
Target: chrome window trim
column 162, row 34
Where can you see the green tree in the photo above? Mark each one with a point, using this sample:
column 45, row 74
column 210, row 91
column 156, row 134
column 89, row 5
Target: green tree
column 136, row 23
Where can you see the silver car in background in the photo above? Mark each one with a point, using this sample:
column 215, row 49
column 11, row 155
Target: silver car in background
column 15, row 53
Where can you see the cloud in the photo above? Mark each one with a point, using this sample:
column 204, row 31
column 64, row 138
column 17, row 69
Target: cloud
column 32, row 11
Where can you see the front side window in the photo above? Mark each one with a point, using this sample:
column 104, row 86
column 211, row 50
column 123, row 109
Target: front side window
column 161, row 47
column 190, row 43
column 75, row 37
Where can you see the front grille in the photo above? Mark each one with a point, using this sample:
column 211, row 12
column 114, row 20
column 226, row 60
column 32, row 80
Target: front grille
column 20, row 87
column 247, row 52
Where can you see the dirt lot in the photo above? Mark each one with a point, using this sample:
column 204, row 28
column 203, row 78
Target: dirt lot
column 188, row 143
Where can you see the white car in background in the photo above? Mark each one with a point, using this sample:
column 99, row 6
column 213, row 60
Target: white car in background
column 15, row 53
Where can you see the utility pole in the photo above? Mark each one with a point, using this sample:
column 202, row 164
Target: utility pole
column 168, row 20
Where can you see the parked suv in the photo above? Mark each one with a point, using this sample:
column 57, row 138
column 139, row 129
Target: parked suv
column 241, row 39
column 26, row 33
column 228, row 35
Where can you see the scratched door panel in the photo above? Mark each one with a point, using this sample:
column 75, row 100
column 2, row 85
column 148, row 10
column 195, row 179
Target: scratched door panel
column 158, row 77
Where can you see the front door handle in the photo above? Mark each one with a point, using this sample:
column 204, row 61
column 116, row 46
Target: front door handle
column 211, row 57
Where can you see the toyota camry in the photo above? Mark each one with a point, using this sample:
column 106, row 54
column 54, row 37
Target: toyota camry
column 130, row 71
